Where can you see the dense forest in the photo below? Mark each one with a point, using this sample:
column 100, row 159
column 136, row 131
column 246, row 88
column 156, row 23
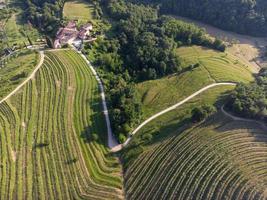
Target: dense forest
column 141, row 45
column 251, row 100
column 44, row 14
column 242, row 16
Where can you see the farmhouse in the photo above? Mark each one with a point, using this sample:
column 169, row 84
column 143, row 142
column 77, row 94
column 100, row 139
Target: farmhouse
column 71, row 35
column 2, row 5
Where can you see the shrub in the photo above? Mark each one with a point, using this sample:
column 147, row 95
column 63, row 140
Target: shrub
column 202, row 112
column 122, row 138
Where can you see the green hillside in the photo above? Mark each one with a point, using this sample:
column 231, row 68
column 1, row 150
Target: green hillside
column 15, row 68
column 53, row 142
column 172, row 158
column 214, row 66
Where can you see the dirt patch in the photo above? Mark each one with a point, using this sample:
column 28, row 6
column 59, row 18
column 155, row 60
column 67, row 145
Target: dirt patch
column 58, row 83
column 23, row 124
column 265, row 193
column 13, row 155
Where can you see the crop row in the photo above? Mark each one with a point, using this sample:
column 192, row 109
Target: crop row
column 216, row 165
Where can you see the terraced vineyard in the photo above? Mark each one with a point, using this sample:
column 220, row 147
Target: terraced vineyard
column 53, row 136
column 219, row 159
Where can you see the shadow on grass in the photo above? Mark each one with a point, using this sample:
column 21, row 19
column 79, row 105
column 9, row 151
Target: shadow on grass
column 97, row 130
column 41, row 145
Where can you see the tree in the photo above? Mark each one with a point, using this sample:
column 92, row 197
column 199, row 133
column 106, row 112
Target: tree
column 202, row 112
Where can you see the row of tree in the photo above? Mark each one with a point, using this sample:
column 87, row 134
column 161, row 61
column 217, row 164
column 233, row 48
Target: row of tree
column 242, row 16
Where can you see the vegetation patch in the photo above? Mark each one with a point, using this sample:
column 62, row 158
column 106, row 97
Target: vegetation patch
column 15, row 68
column 251, row 100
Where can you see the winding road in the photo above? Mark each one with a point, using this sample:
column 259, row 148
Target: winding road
column 112, row 142
column 26, row 80
column 175, row 106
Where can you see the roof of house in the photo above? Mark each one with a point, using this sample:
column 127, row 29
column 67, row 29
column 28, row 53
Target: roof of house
column 71, row 25
column 82, row 34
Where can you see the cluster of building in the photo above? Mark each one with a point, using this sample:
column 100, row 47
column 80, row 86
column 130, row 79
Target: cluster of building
column 2, row 4
column 71, row 35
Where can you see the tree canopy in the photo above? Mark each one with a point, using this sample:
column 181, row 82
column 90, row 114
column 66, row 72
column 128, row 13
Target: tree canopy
column 251, row 100
column 242, row 16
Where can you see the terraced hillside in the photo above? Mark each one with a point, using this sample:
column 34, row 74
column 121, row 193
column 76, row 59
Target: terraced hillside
column 218, row 159
column 213, row 67
column 53, row 136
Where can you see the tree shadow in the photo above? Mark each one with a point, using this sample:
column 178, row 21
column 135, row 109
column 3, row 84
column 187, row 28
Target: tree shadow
column 71, row 161
column 41, row 145
column 97, row 130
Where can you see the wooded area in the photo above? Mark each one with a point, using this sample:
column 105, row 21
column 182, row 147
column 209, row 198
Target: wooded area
column 246, row 17
column 251, row 100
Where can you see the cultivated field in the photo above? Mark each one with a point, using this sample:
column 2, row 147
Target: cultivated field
column 78, row 10
column 53, row 136
column 218, row 159
column 214, row 66
column 14, row 69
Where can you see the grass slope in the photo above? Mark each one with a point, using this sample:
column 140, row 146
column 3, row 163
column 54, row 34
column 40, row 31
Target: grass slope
column 157, row 95
column 46, row 144
column 78, row 10
column 14, row 69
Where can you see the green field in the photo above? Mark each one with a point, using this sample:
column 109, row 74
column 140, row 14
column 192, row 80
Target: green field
column 78, row 10
column 53, row 136
column 15, row 69
column 157, row 95
column 216, row 159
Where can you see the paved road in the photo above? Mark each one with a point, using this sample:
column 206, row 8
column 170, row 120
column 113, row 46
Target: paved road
column 243, row 119
column 174, row 107
column 26, row 80
column 112, row 143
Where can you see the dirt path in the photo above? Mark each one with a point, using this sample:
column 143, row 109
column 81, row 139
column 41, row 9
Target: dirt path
column 26, row 80
column 242, row 119
column 117, row 148
column 247, row 48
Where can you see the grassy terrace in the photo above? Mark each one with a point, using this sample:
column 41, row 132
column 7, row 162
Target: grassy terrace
column 214, row 67
column 46, row 144
column 78, row 10
column 15, row 69
column 217, row 159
